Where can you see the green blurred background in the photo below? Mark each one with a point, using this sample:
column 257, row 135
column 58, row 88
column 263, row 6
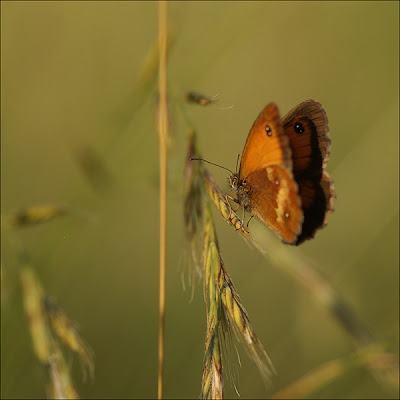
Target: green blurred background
column 72, row 78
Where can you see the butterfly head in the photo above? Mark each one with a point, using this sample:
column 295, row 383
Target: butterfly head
column 242, row 189
column 234, row 181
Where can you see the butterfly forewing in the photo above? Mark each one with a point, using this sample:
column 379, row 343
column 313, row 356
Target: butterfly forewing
column 266, row 144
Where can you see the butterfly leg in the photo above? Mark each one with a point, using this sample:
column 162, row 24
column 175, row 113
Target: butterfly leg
column 241, row 221
column 227, row 197
column 235, row 217
column 247, row 225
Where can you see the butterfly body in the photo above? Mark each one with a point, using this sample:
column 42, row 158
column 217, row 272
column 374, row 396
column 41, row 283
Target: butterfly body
column 282, row 178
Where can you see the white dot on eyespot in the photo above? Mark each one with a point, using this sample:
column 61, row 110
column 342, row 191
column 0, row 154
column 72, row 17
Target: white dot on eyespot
column 287, row 215
column 277, row 182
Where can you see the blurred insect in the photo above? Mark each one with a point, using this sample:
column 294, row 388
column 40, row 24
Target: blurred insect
column 198, row 98
column 201, row 99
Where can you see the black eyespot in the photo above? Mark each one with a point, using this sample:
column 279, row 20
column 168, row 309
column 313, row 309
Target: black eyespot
column 268, row 130
column 299, row 128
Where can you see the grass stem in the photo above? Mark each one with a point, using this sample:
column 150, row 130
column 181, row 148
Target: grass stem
column 163, row 134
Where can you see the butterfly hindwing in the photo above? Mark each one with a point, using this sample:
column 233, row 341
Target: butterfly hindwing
column 274, row 200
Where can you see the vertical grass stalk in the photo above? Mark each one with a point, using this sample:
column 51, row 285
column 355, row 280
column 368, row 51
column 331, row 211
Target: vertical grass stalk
column 163, row 134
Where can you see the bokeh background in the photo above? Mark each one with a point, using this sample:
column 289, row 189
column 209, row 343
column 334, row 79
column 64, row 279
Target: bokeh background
column 78, row 76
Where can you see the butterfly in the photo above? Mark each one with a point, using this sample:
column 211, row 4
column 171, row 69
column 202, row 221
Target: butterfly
column 282, row 178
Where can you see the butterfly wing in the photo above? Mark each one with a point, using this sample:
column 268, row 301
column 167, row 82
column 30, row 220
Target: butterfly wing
column 266, row 143
column 266, row 170
column 306, row 126
column 329, row 192
column 275, row 201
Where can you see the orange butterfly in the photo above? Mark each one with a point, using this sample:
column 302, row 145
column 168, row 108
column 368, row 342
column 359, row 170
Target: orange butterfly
column 282, row 178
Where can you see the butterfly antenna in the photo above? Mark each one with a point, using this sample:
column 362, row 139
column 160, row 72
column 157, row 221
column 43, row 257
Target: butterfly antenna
column 202, row 159
column 237, row 162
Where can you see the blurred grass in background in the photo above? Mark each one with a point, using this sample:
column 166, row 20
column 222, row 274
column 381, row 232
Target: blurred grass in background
column 70, row 87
